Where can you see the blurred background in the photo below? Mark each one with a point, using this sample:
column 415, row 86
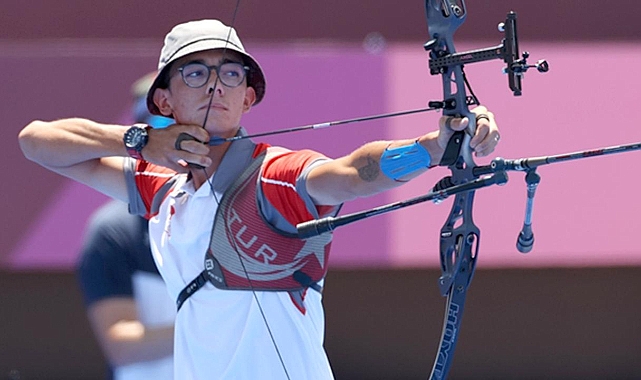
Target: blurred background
column 569, row 309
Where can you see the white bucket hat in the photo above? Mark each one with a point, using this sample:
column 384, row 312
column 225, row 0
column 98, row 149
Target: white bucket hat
column 195, row 36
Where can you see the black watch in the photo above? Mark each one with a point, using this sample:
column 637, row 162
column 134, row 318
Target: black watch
column 135, row 139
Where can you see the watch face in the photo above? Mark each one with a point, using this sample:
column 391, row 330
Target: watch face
column 135, row 138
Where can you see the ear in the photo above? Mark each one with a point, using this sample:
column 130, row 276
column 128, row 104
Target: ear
column 161, row 99
column 250, row 98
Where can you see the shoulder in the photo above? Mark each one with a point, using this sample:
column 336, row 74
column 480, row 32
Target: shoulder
column 146, row 182
column 283, row 161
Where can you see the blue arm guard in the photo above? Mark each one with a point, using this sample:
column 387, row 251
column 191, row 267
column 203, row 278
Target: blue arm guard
column 403, row 160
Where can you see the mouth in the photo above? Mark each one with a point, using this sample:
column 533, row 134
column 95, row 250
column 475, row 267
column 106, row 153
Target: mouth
column 214, row 106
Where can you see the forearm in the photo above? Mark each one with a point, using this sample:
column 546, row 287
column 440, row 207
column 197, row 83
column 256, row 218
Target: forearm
column 359, row 174
column 121, row 335
column 130, row 342
column 64, row 143
column 367, row 161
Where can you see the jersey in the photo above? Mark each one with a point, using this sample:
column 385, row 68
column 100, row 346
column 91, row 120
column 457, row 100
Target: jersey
column 221, row 334
column 116, row 261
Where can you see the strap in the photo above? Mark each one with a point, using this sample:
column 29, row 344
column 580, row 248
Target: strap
column 304, row 279
column 191, row 288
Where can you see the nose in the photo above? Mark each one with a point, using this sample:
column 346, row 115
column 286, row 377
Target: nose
column 214, row 85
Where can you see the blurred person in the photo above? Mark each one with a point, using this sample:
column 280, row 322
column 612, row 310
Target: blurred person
column 223, row 210
column 127, row 303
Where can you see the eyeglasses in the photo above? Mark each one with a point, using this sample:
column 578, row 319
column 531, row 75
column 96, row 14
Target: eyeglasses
column 196, row 75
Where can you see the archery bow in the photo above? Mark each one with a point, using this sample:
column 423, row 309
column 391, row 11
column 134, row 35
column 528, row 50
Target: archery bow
column 460, row 237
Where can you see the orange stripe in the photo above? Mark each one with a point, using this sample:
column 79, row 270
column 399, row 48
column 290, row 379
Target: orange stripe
column 148, row 185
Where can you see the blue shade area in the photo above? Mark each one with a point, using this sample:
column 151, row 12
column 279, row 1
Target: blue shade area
column 159, row 121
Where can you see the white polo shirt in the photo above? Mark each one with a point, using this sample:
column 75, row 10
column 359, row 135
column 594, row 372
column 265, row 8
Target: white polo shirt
column 221, row 334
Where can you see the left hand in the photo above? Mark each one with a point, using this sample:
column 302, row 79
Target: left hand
column 485, row 138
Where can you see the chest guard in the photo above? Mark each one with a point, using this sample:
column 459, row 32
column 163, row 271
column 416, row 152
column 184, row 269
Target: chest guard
column 247, row 253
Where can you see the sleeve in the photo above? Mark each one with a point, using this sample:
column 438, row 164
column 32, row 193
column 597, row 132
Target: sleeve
column 104, row 269
column 147, row 184
column 283, row 184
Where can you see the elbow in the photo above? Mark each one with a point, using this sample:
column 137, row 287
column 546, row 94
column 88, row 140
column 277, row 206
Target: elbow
column 28, row 139
column 121, row 342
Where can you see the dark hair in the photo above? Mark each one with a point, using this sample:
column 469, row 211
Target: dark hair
column 165, row 76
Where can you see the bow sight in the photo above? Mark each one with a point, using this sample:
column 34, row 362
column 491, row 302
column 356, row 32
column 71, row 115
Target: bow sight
column 439, row 15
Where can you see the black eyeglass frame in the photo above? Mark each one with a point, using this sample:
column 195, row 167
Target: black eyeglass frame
column 246, row 72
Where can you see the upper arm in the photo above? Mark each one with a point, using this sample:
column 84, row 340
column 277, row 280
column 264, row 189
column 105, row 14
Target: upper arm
column 105, row 175
column 331, row 182
column 285, row 183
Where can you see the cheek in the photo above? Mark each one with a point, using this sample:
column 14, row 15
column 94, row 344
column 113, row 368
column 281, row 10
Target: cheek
column 183, row 106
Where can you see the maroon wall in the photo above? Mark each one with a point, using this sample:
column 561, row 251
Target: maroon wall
column 547, row 20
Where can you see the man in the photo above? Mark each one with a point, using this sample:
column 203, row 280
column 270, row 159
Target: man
column 127, row 303
column 248, row 289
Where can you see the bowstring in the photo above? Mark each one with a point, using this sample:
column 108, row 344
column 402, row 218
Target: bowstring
column 213, row 192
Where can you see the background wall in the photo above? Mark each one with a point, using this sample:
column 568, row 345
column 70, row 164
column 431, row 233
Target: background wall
column 572, row 315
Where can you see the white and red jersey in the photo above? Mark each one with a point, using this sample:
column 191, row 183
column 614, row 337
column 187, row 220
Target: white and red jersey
column 221, row 334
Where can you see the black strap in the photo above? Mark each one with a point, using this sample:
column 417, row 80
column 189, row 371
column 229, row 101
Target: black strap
column 191, row 288
column 304, row 279
column 201, row 280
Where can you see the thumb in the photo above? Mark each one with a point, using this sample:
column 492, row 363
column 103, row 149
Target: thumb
column 452, row 123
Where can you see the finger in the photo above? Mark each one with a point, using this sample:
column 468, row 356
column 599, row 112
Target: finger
column 482, row 131
column 198, row 132
column 197, row 159
column 187, row 142
column 194, row 146
column 179, row 140
column 488, row 144
column 479, row 110
column 179, row 166
column 454, row 123
column 182, row 163
column 484, row 125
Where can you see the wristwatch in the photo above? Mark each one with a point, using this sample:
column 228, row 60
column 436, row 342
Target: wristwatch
column 135, row 139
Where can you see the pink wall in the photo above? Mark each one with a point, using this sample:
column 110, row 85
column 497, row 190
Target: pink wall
column 585, row 212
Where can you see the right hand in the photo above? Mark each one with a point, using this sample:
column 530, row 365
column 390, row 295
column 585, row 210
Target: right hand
column 161, row 148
